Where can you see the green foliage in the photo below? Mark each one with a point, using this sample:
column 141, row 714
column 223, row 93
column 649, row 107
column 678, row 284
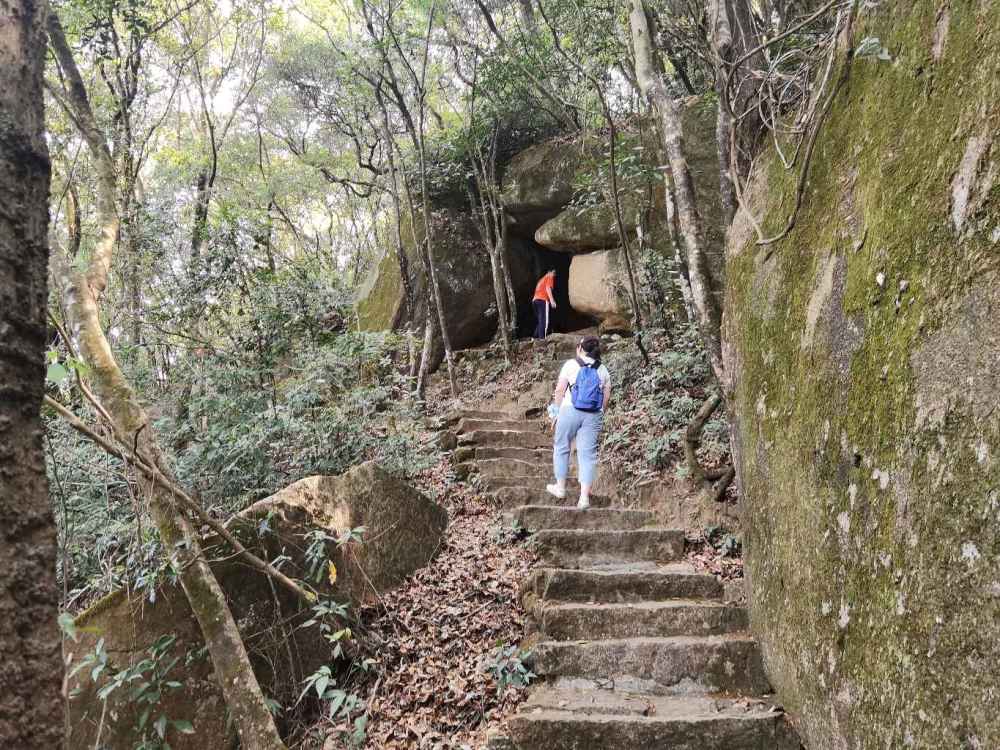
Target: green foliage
column 338, row 705
column 144, row 685
column 724, row 541
column 251, row 429
column 659, row 400
column 317, row 555
column 508, row 668
column 512, row 534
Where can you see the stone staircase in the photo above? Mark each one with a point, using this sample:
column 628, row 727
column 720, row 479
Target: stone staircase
column 633, row 649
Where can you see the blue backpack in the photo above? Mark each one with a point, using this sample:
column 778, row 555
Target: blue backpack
column 587, row 392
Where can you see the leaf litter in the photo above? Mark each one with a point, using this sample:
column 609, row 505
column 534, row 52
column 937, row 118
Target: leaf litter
column 439, row 632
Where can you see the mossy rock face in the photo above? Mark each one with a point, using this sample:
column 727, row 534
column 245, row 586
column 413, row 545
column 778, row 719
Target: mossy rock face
column 864, row 352
column 403, row 530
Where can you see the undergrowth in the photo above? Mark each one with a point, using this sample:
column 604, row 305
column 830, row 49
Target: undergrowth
column 652, row 406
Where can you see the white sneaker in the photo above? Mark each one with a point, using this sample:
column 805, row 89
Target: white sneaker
column 555, row 491
column 584, row 503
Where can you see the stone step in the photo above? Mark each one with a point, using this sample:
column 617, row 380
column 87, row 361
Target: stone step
column 506, row 439
column 537, row 517
column 497, row 468
column 622, row 583
column 504, row 425
column 537, row 483
column 556, row 719
column 581, row 548
column 489, row 453
column 491, row 415
column 665, row 666
column 512, row 498
column 573, row 621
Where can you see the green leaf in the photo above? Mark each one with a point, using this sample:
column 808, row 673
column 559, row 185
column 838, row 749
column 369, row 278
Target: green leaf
column 321, row 684
column 338, row 701
column 56, row 373
column 160, row 725
column 183, row 726
column 68, row 625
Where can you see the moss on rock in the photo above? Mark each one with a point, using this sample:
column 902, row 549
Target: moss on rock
column 864, row 349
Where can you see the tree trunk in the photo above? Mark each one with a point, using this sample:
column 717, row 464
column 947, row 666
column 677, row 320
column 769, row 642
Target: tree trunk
column 397, row 213
column 500, row 295
column 426, row 354
column 250, row 714
column 31, row 671
column 650, row 76
column 730, row 29
column 493, row 240
column 199, row 225
column 435, row 287
column 508, row 282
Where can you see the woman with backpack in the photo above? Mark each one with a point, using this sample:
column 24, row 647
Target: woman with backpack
column 582, row 393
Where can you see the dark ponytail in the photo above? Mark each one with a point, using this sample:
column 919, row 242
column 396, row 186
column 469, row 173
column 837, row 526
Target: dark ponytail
column 592, row 346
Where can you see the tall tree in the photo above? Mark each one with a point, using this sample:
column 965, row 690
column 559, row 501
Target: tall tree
column 650, row 75
column 385, row 36
column 31, row 666
column 118, row 401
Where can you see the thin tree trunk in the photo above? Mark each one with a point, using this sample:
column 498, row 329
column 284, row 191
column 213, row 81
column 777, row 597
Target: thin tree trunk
column 401, row 259
column 492, row 242
column 622, row 235
column 199, row 225
column 650, row 76
column 428, row 245
column 613, row 177
column 500, row 296
column 426, row 354
column 729, row 26
column 133, row 278
column 74, row 230
column 409, row 298
column 31, row 673
column 249, row 711
column 508, row 282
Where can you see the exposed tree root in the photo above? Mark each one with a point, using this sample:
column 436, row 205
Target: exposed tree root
column 692, row 440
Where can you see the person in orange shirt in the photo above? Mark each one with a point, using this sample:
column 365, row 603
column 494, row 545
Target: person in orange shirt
column 542, row 301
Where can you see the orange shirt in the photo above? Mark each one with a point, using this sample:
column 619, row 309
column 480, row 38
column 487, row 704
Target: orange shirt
column 544, row 287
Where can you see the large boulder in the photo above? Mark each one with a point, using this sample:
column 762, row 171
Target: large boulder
column 597, row 285
column 539, row 185
column 541, row 180
column 864, row 357
column 585, row 228
column 402, row 530
column 464, row 274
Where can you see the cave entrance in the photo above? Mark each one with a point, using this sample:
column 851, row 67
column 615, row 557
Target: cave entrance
column 564, row 319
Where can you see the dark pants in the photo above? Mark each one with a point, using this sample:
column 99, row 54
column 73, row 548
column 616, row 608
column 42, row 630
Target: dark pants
column 541, row 318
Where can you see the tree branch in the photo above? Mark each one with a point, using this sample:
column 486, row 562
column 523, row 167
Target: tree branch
column 135, row 459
